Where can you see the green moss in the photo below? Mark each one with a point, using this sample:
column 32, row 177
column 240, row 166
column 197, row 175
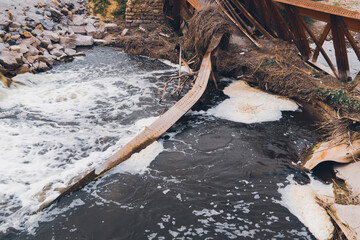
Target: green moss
column 120, row 10
column 100, row 6
column 339, row 98
column 269, row 62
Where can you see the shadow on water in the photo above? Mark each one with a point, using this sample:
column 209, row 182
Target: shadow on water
column 215, row 179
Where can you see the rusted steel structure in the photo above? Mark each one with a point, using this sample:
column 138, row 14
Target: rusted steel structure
column 340, row 21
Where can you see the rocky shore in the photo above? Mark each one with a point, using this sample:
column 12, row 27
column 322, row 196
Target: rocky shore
column 34, row 35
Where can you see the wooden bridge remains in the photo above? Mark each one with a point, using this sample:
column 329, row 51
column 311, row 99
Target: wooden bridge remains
column 284, row 19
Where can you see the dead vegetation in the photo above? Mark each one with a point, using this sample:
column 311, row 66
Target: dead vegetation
column 155, row 40
column 206, row 23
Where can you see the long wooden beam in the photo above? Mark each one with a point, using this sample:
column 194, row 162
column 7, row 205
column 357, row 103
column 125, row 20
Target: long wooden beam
column 321, row 41
column 338, row 35
column 322, row 12
column 154, row 131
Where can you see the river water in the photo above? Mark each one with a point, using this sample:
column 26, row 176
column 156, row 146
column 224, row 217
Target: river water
column 206, row 178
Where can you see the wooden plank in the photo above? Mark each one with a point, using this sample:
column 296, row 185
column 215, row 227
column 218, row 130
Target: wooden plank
column 340, row 48
column 297, row 29
column 236, row 16
column 352, row 23
column 279, row 22
column 320, row 7
column 321, row 41
column 318, row 45
column 252, row 20
column 154, row 131
column 195, row 4
column 352, row 41
column 238, row 25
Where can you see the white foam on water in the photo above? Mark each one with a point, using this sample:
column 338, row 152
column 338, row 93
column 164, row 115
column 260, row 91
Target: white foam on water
column 250, row 105
column 55, row 128
column 301, row 201
column 139, row 162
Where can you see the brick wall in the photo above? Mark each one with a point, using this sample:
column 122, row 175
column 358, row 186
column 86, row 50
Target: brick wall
column 144, row 11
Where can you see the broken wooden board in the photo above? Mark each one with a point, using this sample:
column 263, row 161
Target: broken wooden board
column 350, row 173
column 349, row 215
column 341, row 152
column 151, row 133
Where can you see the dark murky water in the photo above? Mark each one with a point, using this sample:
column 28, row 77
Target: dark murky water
column 215, row 179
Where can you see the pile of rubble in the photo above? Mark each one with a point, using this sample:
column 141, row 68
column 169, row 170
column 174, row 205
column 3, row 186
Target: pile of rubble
column 34, row 37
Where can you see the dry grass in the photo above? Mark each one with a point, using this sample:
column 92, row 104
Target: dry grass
column 206, row 23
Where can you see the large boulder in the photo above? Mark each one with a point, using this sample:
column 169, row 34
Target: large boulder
column 111, row 27
column 83, row 41
column 11, row 60
column 68, row 42
column 90, row 29
column 51, row 35
column 47, row 24
column 78, row 20
column 78, row 29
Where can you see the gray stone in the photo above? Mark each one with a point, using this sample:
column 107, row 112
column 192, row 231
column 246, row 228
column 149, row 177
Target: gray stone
column 33, row 51
column 4, row 23
column 56, row 52
column 9, row 61
column 15, row 25
column 99, row 41
column 46, row 58
column 90, row 29
column 47, row 24
column 55, row 13
column 2, row 47
column 2, row 33
column 50, row 47
column 42, row 66
column 70, row 52
column 58, row 46
column 78, row 20
column 15, row 48
column 45, row 42
column 47, row 13
column 23, row 48
column 68, row 42
column 23, row 69
column 36, row 32
column 111, row 27
column 82, row 40
column 78, row 29
column 65, row 11
column 51, row 35
column 31, row 59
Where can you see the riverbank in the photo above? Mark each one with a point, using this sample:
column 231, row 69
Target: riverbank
column 35, row 35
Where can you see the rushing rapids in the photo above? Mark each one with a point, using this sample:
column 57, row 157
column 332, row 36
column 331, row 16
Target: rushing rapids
column 206, row 177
